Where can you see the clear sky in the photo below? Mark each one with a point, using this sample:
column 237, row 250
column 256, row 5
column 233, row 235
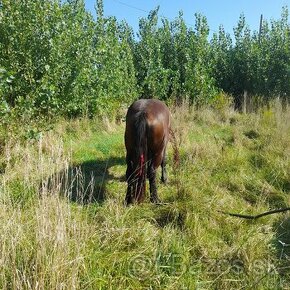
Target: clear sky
column 224, row 12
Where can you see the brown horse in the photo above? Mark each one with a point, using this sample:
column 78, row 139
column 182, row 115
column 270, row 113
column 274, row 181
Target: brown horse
column 146, row 137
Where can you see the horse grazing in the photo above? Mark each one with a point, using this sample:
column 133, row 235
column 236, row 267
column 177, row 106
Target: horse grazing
column 146, row 138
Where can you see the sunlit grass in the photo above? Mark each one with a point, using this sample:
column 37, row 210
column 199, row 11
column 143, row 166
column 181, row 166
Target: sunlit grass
column 63, row 224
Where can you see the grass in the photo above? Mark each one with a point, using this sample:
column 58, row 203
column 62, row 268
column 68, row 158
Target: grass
column 63, row 224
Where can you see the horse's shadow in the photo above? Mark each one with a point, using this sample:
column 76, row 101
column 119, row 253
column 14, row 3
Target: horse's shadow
column 85, row 182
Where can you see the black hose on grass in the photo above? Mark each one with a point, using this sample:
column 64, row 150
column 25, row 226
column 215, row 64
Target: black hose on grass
column 254, row 217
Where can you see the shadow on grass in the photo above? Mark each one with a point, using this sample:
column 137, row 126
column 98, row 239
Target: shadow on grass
column 168, row 214
column 83, row 183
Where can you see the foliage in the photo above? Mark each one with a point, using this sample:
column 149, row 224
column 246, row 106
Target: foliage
column 257, row 62
column 56, row 59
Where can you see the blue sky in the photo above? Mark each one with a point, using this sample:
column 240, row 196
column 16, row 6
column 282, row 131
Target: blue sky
column 224, row 12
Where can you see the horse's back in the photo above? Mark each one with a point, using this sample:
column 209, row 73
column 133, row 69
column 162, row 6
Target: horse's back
column 155, row 111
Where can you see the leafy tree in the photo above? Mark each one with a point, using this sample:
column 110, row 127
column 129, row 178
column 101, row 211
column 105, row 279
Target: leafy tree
column 56, row 59
column 152, row 76
column 221, row 49
column 198, row 82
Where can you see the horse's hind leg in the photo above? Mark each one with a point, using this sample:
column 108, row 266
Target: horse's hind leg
column 129, row 197
column 163, row 168
column 152, row 182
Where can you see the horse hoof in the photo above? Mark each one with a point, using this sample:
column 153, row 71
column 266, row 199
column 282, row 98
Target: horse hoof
column 128, row 202
column 164, row 181
column 155, row 200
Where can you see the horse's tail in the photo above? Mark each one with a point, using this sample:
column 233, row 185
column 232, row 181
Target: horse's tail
column 141, row 154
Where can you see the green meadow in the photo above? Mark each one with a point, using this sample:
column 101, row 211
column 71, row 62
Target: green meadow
column 64, row 225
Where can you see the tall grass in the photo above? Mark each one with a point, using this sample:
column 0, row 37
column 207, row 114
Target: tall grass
column 63, row 224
